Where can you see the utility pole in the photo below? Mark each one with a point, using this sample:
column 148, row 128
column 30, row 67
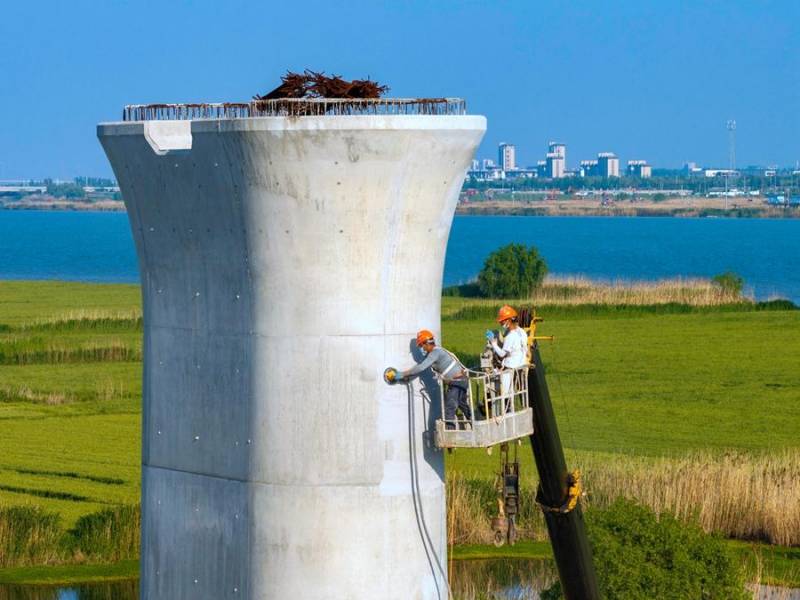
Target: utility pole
column 731, row 127
column 563, row 515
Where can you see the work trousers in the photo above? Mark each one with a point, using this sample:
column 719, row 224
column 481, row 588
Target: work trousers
column 455, row 397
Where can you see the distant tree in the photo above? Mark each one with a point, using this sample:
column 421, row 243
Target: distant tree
column 729, row 282
column 65, row 190
column 512, row 271
column 639, row 554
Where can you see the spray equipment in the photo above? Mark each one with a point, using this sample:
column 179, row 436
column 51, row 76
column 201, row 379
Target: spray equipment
column 490, row 362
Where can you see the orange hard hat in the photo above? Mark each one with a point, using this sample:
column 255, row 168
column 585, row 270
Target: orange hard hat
column 423, row 336
column 505, row 313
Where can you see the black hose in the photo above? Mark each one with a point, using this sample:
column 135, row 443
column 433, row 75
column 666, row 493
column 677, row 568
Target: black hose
column 417, row 496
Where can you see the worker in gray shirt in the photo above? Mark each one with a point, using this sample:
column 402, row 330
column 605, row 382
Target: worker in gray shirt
column 454, row 376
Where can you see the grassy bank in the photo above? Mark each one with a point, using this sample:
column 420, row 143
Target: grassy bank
column 671, row 394
column 761, row 563
column 70, row 574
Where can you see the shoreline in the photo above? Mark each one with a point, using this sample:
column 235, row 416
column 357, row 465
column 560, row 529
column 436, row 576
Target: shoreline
column 64, row 206
column 504, row 208
column 517, row 209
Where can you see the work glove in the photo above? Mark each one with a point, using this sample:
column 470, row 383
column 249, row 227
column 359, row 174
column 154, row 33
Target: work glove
column 489, row 335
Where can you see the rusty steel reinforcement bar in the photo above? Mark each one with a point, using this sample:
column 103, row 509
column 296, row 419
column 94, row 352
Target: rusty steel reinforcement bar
column 567, row 530
column 295, row 107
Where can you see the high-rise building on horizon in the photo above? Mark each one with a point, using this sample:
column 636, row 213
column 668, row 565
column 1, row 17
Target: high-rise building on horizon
column 541, row 168
column 556, row 160
column 588, row 168
column 607, row 164
column 507, row 156
column 640, row 169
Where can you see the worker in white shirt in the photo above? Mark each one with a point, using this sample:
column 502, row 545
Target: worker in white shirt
column 513, row 351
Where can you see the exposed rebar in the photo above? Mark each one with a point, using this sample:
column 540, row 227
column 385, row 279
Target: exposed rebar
column 295, row 107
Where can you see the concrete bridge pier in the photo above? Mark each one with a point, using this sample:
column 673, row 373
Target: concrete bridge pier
column 285, row 261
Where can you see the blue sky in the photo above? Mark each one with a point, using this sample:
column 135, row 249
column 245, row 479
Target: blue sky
column 653, row 80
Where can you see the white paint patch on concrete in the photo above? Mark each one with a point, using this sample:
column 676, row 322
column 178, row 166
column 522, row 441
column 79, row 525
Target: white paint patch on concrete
column 168, row 136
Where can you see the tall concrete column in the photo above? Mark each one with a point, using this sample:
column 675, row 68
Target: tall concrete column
column 285, row 262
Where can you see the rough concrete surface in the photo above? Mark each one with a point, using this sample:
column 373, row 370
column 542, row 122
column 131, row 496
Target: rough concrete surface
column 285, row 262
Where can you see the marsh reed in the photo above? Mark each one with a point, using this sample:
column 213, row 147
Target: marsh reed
column 571, row 289
column 743, row 496
column 33, row 536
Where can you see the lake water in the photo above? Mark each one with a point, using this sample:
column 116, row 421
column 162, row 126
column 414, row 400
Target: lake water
column 499, row 579
column 98, row 247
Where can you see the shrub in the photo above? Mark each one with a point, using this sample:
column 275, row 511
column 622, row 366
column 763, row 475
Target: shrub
column 512, row 271
column 639, row 555
column 464, row 290
column 729, row 282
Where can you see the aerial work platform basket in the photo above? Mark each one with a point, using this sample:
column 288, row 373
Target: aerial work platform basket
column 500, row 409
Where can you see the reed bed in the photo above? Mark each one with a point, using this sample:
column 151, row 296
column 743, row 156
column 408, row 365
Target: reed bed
column 471, row 504
column 27, row 351
column 26, row 394
column 109, row 535
column 575, row 291
column 105, row 390
column 739, row 495
column 87, row 320
column 28, row 536
column 32, row 536
column 583, row 290
column 743, row 496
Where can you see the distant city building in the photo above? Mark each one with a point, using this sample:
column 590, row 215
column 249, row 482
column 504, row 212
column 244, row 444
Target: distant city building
column 691, row 168
column 556, row 160
column 555, row 166
column 721, row 173
column 589, row 168
column 640, row 169
column 485, row 170
column 527, row 172
column 507, row 156
column 558, row 148
column 541, row 168
column 607, row 164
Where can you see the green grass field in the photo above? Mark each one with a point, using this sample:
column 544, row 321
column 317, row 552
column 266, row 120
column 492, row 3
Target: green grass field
column 660, row 384
column 70, row 428
column 628, row 384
